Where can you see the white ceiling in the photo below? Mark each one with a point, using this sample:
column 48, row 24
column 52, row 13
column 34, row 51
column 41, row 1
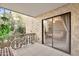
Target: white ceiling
column 32, row 9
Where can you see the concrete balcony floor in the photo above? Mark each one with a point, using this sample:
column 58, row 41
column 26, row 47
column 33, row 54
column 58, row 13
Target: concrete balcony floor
column 38, row 50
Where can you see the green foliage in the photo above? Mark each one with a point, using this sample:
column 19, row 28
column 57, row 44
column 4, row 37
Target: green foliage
column 21, row 30
column 4, row 30
column 12, row 28
column 4, row 18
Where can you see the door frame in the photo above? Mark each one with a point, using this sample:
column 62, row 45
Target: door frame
column 52, row 31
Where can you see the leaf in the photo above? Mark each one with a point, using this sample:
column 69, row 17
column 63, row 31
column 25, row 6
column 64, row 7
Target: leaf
column 4, row 18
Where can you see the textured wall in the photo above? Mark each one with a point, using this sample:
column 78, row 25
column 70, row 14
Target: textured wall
column 74, row 9
column 29, row 22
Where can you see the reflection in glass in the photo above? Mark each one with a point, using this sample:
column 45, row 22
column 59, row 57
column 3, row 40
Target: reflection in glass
column 60, row 33
column 48, row 32
column 57, row 32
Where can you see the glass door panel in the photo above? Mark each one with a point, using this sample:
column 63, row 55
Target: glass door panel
column 61, row 32
column 48, row 32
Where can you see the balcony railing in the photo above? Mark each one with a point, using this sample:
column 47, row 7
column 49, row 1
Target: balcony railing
column 19, row 41
column 23, row 40
column 16, row 42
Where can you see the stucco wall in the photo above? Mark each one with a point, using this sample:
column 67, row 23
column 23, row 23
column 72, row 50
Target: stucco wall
column 74, row 9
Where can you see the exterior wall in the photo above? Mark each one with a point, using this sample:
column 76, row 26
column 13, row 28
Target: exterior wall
column 74, row 9
column 29, row 22
column 26, row 21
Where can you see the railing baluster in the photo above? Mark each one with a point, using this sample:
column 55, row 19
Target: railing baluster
column 29, row 38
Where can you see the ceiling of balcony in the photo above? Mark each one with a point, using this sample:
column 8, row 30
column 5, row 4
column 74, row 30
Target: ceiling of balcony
column 32, row 9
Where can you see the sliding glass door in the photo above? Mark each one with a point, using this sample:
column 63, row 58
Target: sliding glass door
column 57, row 32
